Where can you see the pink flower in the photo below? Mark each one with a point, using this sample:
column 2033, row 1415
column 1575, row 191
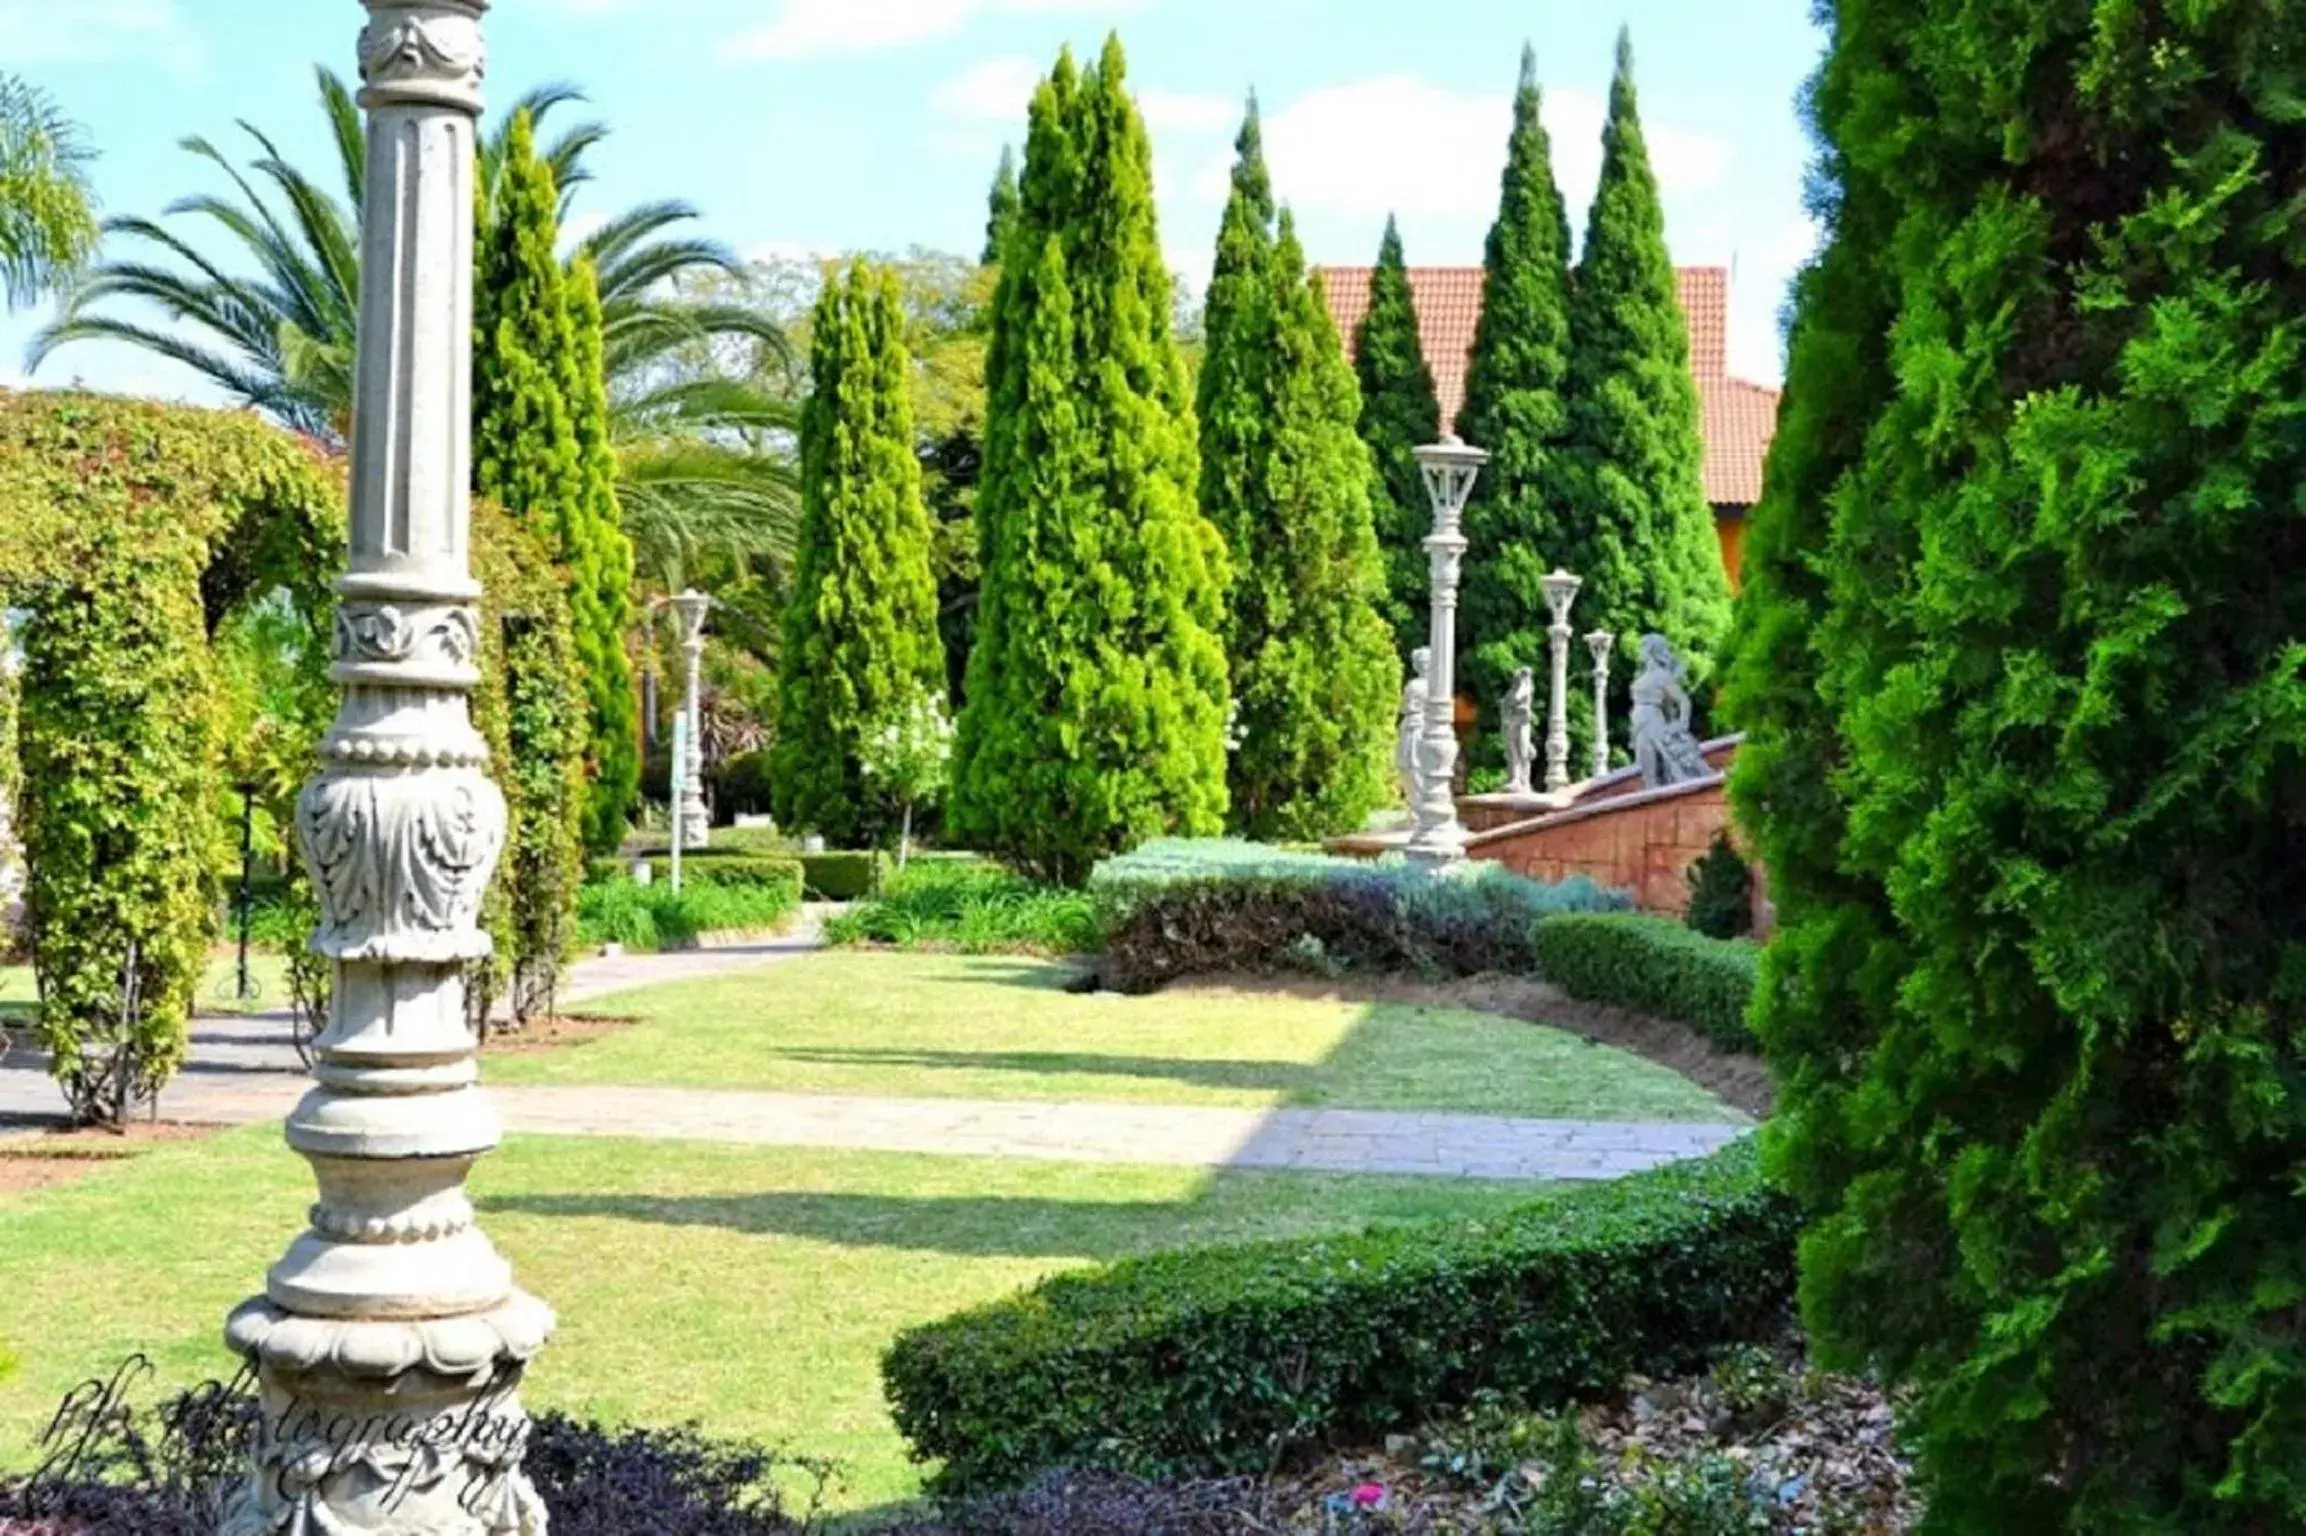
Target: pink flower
column 1368, row 1495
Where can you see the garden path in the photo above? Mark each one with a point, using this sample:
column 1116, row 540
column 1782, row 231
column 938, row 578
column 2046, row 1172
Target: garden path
column 243, row 1071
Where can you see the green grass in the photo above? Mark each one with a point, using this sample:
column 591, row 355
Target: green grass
column 654, row 917
column 18, row 991
column 953, row 1026
column 750, row 1288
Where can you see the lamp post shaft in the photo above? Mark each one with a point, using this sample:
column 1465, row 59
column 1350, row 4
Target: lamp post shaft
column 695, row 821
column 1561, row 590
column 1600, row 643
column 393, row 1314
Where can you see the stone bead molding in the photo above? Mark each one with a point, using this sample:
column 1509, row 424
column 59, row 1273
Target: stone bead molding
column 400, row 862
column 423, row 53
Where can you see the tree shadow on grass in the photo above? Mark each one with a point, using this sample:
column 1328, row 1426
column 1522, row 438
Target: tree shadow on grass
column 974, row 1226
column 1283, row 1077
column 1226, row 1206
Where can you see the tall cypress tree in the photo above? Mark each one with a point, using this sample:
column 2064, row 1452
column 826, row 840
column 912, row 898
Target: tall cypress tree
column 860, row 633
column 600, row 562
column 1235, row 389
column 1001, row 207
column 1632, row 518
column 1097, row 692
column 526, row 456
column 1313, row 663
column 1400, row 411
column 1514, row 408
column 2019, row 663
column 529, row 460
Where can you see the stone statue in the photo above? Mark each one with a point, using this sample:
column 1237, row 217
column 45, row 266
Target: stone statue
column 1415, row 695
column 1520, row 747
column 1663, row 746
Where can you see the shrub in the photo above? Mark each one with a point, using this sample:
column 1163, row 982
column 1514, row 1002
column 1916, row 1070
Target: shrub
column 971, row 906
column 745, row 869
column 653, row 917
column 1721, row 893
column 1225, row 1358
column 1361, row 918
column 1169, row 860
column 843, row 876
column 1656, row 966
column 170, row 1471
column 741, row 785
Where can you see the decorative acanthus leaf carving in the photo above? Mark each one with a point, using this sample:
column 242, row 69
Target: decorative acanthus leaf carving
column 390, row 633
column 400, row 861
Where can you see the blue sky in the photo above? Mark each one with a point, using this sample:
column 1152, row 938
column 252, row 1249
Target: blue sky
column 834, row 125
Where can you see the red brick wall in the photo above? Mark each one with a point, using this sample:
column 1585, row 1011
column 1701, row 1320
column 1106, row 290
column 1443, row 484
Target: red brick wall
column 1643, row 842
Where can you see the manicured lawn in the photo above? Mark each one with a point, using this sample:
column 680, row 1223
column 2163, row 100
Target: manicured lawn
column 750, row 1288
column 950, row 1026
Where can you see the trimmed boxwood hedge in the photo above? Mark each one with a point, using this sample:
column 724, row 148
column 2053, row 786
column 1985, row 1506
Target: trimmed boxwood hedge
column 1360, row 918
column 1654, row 966
column 1226, row 1358
column 843, row 875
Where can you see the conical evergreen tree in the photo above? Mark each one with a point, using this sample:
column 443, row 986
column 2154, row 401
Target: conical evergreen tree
column 1400, row 411
column 2019, row 661
column 526, row 456
column 1631, row 516
column 1001, row 210
column 600, row 563
column 1097, row 692
column 860, row 633
column 1514, row 408
column 1313, row 663
column 529, row 460
column 1235, row 386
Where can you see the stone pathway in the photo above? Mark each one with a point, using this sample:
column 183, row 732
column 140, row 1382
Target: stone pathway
column 243, row 1072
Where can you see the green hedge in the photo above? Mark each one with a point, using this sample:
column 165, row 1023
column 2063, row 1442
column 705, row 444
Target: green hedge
column 1654, row 966
column 730, row 868
column 842, row 875
column 652, row 917
column 1225, row 1358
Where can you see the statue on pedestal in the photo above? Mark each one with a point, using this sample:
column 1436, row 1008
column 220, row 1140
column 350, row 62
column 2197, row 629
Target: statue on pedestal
column 1520, row 746
column 1664, row 748
column 1415, row 695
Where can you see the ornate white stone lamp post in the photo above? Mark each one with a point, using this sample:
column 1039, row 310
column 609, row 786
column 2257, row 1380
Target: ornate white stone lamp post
column 1600, row 643
column 390, row 1340
column 1560, row 592
column 1436, row 838
column 693, row 823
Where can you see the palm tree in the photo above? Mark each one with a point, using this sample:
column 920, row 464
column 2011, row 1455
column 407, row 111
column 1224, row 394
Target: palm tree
column 47, row 219
column 699, row 462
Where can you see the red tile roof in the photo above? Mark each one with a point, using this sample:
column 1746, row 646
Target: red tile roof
column 1738, row 418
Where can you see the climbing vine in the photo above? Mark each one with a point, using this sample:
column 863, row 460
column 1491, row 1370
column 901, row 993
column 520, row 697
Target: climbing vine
column 127, row 532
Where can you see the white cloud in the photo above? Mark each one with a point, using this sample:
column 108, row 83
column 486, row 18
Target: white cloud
column 997, row 90
column 64, row 31
column 1186, row 112
column 808, row 27
column 1397, row 144
column 1758, row 297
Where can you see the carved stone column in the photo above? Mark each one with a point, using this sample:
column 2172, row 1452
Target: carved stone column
column 696, row 822
column 1560, row 592
column 390, row 1340
column 1600, row 642
column 1437, row 838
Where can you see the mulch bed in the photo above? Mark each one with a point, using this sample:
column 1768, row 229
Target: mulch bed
column 550, row 1034
column 34, row 1157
